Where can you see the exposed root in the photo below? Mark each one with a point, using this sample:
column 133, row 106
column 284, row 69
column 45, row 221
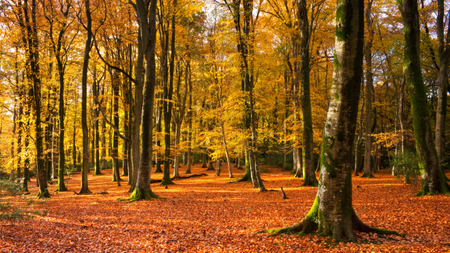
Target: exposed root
column 246, row 177
column 61, row 188
column 310, row 224
column 44, row 194
column 310, row 182
column 143, row 194
column 358, row 225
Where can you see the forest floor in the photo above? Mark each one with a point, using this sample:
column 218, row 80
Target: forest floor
column 213, row 214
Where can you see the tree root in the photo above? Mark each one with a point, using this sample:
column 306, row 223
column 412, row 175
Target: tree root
column 62, row 188
column 143, row 194
column 246, row 177
column 44, row 194
column 358, row 225
column 443, row 189
column 310, row 224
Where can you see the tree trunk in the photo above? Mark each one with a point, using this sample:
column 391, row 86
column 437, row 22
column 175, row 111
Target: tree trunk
column 432, row 175
column 96, row 147
column 138, row 99
column 332, row 213
column 61, row 113
column 168, row 91
column 369, row 86
column 309, row 177
column 147, row 27
column 444, row 54
column 358, row 142
column 115, row 146
column 189, row 151
column 85, row 169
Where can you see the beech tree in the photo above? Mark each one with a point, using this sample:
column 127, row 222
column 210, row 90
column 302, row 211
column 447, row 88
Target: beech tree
column 444, row 54
column 146, row 13
column 87, row 49
column 332, row 213
column 432, row 176
column 369, row 87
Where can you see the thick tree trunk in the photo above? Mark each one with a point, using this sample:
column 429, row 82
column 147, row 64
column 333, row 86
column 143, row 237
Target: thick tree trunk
column 332, row 213
column 432, row 176
column 33, row 74
column 147, row 27
column 138, row 102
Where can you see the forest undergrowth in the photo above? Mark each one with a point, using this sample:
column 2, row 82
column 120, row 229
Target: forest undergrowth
column 213, row 214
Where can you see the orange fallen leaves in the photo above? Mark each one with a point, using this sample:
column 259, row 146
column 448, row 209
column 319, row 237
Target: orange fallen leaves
column 209, row 214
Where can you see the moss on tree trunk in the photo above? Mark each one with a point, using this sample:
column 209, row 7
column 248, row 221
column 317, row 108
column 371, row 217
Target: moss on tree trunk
column 432, row 175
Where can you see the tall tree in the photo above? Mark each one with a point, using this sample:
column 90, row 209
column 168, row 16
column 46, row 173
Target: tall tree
column 309, row 178
column 168, row 92
column 146, row 13
column 60, row 46
column 369, row 87
column 33, row 74
column 87, row 49
column 444, row 55
column 432, row 176
column 332, row 213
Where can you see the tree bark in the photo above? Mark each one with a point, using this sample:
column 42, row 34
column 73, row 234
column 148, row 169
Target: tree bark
column 85, row 169
column 147, row 27
column 369, row 86
column 444, row 54
column 332, row 213
column 432, row 176
column 309, row 177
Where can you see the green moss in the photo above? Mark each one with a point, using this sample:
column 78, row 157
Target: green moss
column 336, row 60
column 336, row 96
column 141, row 194
column 343, row 29
column 43, row 194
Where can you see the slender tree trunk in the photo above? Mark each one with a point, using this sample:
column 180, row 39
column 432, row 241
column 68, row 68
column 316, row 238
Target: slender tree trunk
column 168, row 106
column 444, row 54
column 115, row 145
column 61, row 113
column 369, row 86
column 309, row 177
column 358, row 143
column 189, row 151
column 85, row 169
column 95, row 91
